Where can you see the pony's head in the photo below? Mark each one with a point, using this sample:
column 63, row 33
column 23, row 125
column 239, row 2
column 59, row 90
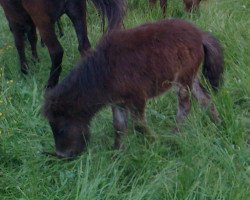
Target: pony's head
column 70, row 130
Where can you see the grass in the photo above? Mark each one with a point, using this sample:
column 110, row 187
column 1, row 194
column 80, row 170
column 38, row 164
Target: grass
column 205, row 161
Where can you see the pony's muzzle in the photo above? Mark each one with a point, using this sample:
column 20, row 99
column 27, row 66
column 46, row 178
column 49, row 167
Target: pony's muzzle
column 60, row 155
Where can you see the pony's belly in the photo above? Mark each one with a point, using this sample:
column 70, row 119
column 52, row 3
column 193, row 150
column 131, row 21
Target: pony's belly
column 159, row 88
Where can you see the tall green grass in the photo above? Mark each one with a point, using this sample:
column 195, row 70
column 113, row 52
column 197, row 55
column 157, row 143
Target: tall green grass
column 205, row 161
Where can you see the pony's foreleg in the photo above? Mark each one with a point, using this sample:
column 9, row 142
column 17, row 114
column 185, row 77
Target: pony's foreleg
column 204, row 99
column 32, row 37
column 18, row 33
column 120, row 121
column 77, row 14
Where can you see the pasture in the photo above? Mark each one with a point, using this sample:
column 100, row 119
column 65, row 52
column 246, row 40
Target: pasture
column 204, row 161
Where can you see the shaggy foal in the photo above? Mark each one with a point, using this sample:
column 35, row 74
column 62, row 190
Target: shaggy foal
column 24, row 16
column 127, row 68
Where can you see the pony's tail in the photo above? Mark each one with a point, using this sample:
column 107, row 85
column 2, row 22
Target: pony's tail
column 114, row 10
column 213, row 60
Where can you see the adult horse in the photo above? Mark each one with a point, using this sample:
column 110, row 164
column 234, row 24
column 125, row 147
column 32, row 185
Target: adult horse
column 127, row 68
column 24, row 16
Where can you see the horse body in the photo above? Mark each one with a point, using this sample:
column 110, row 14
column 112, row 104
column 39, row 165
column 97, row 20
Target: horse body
column 127, row 68
column 42, row 14
column 157, row 55
column 15, row 11
column 20, row 23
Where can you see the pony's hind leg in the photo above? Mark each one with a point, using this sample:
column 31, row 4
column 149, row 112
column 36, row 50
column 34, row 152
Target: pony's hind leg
column 204, row 99
column 77, row 14
column 184, row 104
column 120, row 121
column 32, row 37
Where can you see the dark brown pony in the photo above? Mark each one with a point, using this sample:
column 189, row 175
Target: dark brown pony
column 24, row 16
column 189, row 5
column 127, row 68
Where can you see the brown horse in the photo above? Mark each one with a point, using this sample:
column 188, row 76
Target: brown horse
column 60, row 31
column 189, row 5
column 127, row 68
column 25, row 15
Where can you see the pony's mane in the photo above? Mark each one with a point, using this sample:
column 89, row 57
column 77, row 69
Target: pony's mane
column 86, row 78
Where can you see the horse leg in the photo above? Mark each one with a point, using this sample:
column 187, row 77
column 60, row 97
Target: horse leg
column 32, row 37
column 60, row 29
column 163, row 4
column 77, row 14
column 184, row 104
column 152, row 3
column 191, row 4
column 18, row 33
column 204, row 99
column 46, row 27
column 59, row 26
column 47, row 32
column 120, row 121
column 42, row 43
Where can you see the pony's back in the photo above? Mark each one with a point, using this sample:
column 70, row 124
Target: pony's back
column 148, row 59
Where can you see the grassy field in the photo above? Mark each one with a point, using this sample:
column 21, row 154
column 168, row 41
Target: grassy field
column 205, row 161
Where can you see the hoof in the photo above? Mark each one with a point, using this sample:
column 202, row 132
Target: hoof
column 119, row 146
column 24, row 69
column 176, row 130
column 35, row 59
column 48, row 87
column 51, row 84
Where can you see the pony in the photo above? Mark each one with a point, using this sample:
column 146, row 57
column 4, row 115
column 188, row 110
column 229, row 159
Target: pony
column 189, row 5
column 24, row 16
column 127, row 68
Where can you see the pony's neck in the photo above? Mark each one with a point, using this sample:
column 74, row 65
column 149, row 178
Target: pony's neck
column 83, row 91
